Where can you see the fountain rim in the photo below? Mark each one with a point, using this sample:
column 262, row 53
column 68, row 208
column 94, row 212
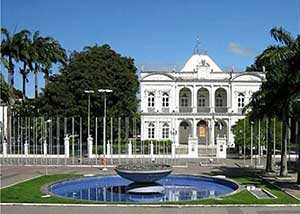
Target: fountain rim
column 45, row 189
column 167, row 168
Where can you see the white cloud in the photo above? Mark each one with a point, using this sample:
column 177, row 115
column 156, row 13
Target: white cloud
column 238, row 50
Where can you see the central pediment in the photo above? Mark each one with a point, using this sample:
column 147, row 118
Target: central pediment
column 198, row 62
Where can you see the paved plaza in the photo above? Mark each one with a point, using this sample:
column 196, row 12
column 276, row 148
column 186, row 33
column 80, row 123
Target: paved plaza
column 14, row 174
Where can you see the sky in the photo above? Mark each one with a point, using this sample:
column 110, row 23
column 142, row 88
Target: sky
column 232, row 32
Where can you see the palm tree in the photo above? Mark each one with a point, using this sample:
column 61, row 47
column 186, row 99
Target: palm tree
column 26, row 58
column 284, row 80
column 10, row 50
column 260, row 105
column 55, row 54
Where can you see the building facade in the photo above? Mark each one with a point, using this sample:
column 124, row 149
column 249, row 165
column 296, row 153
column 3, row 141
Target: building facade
column 197, row 104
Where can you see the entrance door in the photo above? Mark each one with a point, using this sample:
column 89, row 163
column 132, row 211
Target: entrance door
column 185, row 130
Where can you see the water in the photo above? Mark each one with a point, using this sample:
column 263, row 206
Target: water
column 171, row 188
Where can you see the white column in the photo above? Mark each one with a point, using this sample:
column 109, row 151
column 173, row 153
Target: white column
column 157, row 129
column 229, row 137
column 67, row 147
column 176, row 98
column 194, row 131
column 90, row 146
column 4, row 146
column 212, row 100
column 212, row 131
column 194, row 98
column 129, row 148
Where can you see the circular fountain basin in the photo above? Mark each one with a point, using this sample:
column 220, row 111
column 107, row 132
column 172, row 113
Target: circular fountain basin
column 144, row 173
column 114, row 188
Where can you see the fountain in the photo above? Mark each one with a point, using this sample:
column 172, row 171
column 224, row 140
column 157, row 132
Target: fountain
column 144, row 173
column 144, row 177
column 143, row 183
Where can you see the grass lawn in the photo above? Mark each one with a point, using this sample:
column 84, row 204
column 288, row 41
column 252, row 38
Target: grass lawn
column 30, row 192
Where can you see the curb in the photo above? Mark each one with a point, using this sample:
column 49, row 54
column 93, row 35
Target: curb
column 149, row 205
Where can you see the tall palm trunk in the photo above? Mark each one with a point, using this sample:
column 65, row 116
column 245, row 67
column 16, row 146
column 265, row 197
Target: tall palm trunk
column 24, row 76
column 11, row 99
column 269, row 151
column 36, row 80
column 298, row 141
column 283, row 162
column 46, row 77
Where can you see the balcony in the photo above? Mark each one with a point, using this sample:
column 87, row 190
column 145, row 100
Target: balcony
column 185, row 109
column 203, row 109
column 151, row 109
column 221, row 109
column 165, row 110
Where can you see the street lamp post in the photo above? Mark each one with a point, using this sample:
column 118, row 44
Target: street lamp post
column 251, row 139
column 89, row 92
column 104, row 119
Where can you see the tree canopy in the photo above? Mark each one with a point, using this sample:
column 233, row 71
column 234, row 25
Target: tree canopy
column 93, row 68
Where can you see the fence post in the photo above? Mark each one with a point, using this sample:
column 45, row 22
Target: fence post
column 45, row 148
column 129, row 148
column 26, row 149
column 151, row 149
column 67, row 146
column 173, row 150
column 90, row 147
column 108, row 148
column 4, row 149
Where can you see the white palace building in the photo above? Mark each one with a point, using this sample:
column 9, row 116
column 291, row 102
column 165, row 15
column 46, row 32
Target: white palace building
column 195, row 106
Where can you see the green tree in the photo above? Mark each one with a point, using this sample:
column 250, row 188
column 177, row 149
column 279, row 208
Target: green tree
column 283, row 82
column 10, row 50
column 93, row 68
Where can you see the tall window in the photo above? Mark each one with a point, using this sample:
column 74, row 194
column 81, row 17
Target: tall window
column 184, row 100
column 165, row 100
column 150, row 100
column 241, row 100
column 165, row 131
column 151, row 131
column 219, row 100
column 201, row 100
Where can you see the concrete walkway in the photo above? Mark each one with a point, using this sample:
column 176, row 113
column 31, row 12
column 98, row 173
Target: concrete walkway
column 152, row 210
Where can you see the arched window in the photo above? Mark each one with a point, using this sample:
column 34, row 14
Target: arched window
column 241, row 100
column 165, row 131
column 165, row 100
column 219, row 100
column 201, row 101
column 151, row 131
column 151, row 100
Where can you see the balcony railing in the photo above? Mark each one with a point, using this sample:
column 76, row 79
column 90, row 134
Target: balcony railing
column 165, row 110
column 203, row 109
column 151, row 109
column 221, row 109
column 185, row 109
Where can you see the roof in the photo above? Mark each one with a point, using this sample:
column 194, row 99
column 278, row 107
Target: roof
column 198, row 60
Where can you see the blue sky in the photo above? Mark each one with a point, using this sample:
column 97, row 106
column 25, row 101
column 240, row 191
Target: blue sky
column 156, row 31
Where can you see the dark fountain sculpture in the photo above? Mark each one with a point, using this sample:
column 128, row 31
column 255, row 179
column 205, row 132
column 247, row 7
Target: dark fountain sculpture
column 144, row 177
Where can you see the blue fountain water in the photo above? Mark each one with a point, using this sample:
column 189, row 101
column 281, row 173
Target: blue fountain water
column 115, row 189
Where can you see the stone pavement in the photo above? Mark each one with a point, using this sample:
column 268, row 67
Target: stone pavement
column 150, row 210
column 229, row 167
